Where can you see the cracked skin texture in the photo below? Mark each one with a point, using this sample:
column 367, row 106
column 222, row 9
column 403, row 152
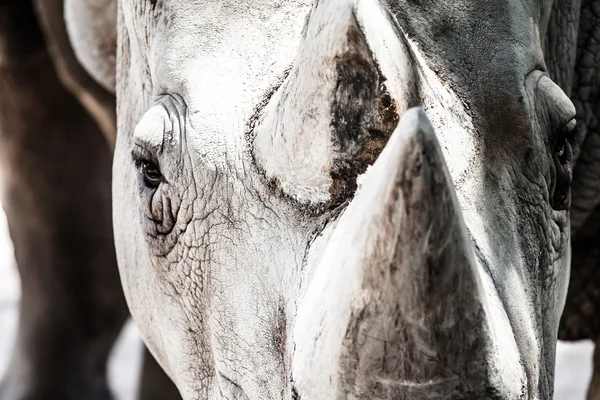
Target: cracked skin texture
column 578, row 321
column 572, row 50
column 56, row 194
column 582, row 82
column 218, row 291
column 573, row 56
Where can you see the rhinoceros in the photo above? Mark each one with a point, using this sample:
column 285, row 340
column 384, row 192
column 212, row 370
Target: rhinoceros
column 326, row 199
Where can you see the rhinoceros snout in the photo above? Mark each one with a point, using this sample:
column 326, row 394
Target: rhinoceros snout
column 396, row 307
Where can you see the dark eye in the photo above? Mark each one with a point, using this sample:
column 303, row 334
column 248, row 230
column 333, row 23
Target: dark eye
column 147, row 166
column 563, row 145
column 560, row 149
column 150, row 173
column 563, row 154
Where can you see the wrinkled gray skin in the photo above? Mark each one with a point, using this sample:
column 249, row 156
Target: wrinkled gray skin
column 573, row 51
column 55, row 186
column 216, row 260
column 251, row 266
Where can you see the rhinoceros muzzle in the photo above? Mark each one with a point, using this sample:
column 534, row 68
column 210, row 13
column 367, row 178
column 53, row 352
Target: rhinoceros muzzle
column 367, row 236
column 395, row 304
column 397, row 307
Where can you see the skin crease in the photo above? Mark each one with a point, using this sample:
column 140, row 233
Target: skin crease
column 55, row 166
column 580, row 317
column 213, row 262
column 431, row 35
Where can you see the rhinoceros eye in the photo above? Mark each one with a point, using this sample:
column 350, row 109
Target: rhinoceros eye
column 148, row 168
column 561, row 149
column 564, row 143
column 151, row 174
column 563, row 155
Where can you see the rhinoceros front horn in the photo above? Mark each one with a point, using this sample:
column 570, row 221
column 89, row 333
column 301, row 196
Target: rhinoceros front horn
column 394, row 308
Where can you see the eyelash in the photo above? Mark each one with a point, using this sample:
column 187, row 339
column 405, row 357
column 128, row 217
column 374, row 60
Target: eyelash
column 140, row 155
column 145, row 161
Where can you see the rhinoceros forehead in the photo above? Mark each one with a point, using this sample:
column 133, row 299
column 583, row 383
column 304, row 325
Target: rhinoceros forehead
column 221, row 56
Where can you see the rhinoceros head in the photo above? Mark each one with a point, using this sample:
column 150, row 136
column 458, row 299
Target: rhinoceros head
column 289, row 226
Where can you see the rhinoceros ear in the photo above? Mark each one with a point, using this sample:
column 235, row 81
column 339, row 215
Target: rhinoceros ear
column 81, row 38
column 92, row 28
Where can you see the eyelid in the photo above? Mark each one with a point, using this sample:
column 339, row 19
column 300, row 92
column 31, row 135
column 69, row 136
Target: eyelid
column 570, row 126
column 573, row 133
column 567, row 131
column 149, row 132
column 139, row 154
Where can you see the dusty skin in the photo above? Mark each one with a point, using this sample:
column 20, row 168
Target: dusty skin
column 305, row 199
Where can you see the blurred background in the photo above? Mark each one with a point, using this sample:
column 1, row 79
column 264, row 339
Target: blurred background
column 573, row 371
column 124, row 365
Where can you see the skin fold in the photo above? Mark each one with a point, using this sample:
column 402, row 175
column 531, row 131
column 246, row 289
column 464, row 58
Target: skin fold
column 250, row 138
column 218, row 247
column 573, row 54
column 55, row 166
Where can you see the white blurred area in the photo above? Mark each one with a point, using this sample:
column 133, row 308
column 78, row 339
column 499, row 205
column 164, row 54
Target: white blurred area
column 574, row 360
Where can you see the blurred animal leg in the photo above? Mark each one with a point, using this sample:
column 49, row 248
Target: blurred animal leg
column 56, row 169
